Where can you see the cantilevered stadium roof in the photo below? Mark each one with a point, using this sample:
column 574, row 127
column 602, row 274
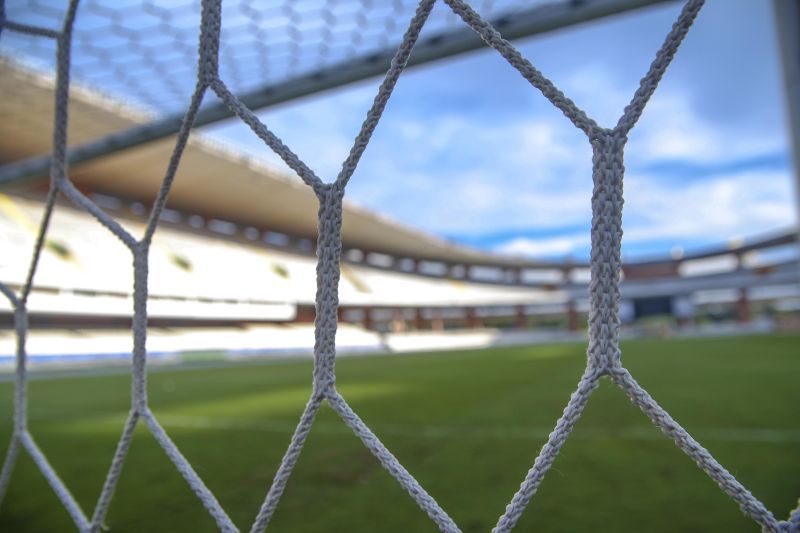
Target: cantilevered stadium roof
column 213, row 180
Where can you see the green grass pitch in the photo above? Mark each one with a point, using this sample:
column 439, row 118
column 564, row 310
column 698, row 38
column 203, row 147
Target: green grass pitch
column 467, row 424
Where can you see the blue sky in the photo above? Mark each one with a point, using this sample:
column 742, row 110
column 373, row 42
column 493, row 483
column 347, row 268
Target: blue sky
column 469, row 151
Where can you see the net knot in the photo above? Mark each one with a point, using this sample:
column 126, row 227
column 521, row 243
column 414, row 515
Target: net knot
column 20, row 316
column 329, row 247
column 604, row 324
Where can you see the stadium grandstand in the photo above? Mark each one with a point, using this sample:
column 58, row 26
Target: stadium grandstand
column 401, row 288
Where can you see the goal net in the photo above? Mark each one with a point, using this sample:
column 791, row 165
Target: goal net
column 604, row 359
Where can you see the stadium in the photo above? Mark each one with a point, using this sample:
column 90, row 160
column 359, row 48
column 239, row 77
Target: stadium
column 233, row 305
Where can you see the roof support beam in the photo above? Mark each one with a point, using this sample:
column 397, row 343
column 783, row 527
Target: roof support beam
column 532, row 21
column 787, row 23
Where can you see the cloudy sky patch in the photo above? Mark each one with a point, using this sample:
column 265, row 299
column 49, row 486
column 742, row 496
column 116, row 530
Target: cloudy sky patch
column 468, row 150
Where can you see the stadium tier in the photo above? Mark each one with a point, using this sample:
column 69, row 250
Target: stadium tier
column 245, row 261
column 196, row 274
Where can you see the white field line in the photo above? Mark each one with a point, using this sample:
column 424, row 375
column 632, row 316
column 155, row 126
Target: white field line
column 123, row 368
column 779, row 436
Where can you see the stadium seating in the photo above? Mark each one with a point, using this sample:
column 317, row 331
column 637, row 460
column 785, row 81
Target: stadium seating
column 201, row 275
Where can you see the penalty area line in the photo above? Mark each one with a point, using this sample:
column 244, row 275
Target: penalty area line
column 648, row 433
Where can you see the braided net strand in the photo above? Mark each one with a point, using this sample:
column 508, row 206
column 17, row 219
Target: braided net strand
column 21, row 437
column 603, row 353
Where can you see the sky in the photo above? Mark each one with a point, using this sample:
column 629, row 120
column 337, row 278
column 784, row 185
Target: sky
column 469, row 151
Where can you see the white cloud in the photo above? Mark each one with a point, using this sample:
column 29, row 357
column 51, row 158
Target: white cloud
column 464, row 176
column 546, row 246
column 319, row 131
column 718, row 208
column 672, row 129
column 537, row 174
column 601, row 97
